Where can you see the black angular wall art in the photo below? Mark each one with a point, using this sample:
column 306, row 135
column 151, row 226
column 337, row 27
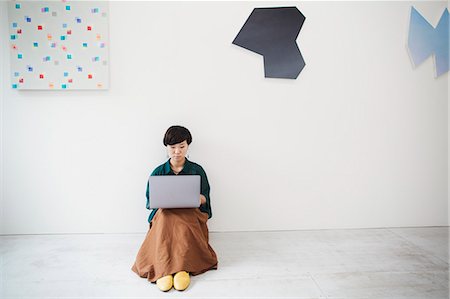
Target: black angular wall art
column 272, row 32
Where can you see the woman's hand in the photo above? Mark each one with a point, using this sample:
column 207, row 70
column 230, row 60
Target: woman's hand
column 202, row 199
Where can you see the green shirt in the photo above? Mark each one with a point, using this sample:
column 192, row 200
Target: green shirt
column 189, row 168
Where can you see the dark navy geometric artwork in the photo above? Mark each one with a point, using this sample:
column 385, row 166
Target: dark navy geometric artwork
column 272, row 32
column 425, row 40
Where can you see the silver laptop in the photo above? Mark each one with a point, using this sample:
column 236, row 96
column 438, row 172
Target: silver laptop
column 174, row 191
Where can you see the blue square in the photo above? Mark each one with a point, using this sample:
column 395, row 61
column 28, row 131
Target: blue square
column 16, row 74
column 28, row 19
column 66, row 74
column 14, row 25
column 78, row 20
column 30, row 68
column 80, row 69
column 64, row 25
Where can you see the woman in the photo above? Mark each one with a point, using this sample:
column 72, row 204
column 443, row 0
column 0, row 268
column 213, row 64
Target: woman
column 177, row 242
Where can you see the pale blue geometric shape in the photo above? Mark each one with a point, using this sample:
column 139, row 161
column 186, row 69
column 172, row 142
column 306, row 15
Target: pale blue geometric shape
column 425, row 40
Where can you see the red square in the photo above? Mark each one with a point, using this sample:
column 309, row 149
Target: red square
column 89, row 28
column 19, row 31
column 21, row 80
column 70, row 80
column 90, row 76
column 39, row 27
column 41, row 76
column 69, row 32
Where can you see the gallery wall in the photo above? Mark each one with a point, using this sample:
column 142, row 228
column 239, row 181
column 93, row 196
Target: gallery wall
column 358, row 140
column 3, row 74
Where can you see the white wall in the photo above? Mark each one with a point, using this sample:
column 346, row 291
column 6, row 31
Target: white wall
column 359, row 140
column 2, row 84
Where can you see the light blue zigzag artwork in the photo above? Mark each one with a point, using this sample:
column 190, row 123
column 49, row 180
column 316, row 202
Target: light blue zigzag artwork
column 425, row 40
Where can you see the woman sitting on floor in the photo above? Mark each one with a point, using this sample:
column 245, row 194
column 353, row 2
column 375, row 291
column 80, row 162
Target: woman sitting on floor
column 177, row 242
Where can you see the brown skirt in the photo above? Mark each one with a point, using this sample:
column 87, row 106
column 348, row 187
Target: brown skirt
column 177, row 240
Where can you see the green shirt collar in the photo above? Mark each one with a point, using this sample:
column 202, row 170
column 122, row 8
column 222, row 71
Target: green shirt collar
column 187, row 166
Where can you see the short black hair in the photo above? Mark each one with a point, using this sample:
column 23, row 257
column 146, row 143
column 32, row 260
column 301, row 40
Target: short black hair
column 177, row 134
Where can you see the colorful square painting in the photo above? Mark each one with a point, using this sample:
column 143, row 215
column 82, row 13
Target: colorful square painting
column 59, row 45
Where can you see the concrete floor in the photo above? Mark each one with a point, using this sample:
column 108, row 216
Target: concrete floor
column 359, row 263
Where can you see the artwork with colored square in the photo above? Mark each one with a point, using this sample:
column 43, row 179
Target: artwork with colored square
column 59, row 44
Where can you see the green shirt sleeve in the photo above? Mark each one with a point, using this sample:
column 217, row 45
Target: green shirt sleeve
column 147, row 194
column 205, row 189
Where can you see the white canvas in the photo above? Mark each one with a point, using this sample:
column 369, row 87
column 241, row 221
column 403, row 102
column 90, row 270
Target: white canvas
column 59, row 44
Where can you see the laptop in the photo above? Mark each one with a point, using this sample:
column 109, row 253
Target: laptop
column 174, row 191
